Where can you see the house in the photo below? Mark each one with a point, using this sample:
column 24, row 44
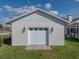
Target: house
column 4, row 27
column 73, row 28
column 37, row 28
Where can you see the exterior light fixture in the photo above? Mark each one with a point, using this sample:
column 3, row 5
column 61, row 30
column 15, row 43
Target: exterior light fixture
column 51, row 30
column 23, row 30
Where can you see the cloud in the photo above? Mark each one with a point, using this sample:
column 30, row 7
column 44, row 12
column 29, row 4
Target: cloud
column 77, row 0
column 48, row 5
column 1, row 9
column 24, row 9
column 19, row 10
column 8, row 8
column 59, row 14
column 13, row 12
column 54, row 12
column 31, row 7
column 63, row 15
column 38, row 6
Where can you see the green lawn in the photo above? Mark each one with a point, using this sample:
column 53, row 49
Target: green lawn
column 69, row 51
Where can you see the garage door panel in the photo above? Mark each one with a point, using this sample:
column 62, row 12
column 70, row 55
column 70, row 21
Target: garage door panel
column 37, row 37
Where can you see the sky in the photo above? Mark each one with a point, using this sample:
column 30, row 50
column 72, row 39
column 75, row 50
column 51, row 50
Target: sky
column 12, row 8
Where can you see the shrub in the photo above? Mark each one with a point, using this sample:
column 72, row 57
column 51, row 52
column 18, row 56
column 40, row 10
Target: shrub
column 7, row 41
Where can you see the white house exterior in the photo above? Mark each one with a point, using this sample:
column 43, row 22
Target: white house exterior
column 37, row 28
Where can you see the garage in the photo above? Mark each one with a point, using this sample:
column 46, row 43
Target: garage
column 37, row 27
column 37, row 36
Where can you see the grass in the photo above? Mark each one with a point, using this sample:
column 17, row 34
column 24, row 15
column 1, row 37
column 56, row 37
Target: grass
column 69, row 51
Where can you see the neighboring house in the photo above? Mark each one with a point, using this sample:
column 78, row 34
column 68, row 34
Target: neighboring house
column 72, row 29
column 4, row 27
column 37, row 28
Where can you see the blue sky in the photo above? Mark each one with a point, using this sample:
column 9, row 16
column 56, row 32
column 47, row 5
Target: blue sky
column 13, row 8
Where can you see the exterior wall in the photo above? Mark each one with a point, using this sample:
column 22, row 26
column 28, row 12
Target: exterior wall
column 35, row 20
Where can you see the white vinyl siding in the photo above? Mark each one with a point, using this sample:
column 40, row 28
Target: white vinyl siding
column 35, row 20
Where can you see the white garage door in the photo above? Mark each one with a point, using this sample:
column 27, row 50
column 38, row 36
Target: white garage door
column 37, row 36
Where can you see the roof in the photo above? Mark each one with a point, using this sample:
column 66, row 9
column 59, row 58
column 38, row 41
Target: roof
column 33, row 11
column 73, row 21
